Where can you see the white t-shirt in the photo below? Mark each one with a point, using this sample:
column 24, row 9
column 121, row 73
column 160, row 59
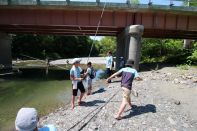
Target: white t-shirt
column 89, row 71
column 109, row 60
column 76, row 72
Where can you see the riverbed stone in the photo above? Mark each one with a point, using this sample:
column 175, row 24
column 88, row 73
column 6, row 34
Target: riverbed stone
column 152, row 109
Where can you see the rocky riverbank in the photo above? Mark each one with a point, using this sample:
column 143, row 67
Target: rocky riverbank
column 167, row 101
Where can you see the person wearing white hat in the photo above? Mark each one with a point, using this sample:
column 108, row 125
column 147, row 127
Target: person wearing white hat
column 75, row 76
column 27, row 120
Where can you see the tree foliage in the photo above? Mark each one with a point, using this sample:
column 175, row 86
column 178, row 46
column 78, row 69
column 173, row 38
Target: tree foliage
column 54, row 47
column 134, row 2
column 190, row 2
column 57, row 47
column 167, row 50
column 106, row 44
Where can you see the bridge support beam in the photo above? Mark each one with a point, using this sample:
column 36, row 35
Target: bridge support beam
column 187, row 43
column 121, row 48
column 5, row 52
column 135, row 32
column 129, row 45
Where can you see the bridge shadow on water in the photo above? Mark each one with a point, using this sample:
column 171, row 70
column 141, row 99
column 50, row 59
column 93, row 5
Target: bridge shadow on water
column 138, row 110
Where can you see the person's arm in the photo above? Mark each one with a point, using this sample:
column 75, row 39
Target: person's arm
column 73, row 78
column 112, row 76
column 137, row 77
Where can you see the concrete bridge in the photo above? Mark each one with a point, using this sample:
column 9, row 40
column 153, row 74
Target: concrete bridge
column 81, row 18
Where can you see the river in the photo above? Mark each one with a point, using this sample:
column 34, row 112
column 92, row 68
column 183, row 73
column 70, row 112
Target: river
column 32, row 88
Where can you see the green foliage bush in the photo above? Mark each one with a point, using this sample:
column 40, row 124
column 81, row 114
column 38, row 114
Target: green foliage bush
column 179, row 57
column 52, row 47
column 105, row 45
column 169, row 51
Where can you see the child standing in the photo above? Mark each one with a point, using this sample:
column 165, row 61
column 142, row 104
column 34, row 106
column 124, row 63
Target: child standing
column 89, row 77
column 75, row 76
column 128, row 75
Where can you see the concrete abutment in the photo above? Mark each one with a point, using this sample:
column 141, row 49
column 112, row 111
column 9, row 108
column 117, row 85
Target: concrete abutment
column 129, row 44
column 5, row 52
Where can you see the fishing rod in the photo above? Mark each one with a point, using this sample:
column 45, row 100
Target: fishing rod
column 98, row 25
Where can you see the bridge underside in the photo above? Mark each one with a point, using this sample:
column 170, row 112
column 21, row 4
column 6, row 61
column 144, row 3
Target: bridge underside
column 91, row 30
column 80, row 21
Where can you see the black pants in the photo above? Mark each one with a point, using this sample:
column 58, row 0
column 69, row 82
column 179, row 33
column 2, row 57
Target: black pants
column 80, row 87
column 108, row 72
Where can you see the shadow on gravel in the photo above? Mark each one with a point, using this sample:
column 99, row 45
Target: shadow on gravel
column 101, row 90
column 92, row 103
column 116, row 81
column 154, row 66
column 138, row 110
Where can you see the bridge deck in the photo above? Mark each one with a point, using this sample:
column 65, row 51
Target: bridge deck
column 81, row 18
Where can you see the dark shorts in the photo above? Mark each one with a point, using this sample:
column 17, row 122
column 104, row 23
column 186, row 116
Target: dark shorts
column 80, row 87
column 108, row 72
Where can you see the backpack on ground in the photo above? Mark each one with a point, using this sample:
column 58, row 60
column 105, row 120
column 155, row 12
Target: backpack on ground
column 93, row 73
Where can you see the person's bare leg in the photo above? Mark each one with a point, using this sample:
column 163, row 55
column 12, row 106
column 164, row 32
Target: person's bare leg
column 73, row 102
column 80, row 97
column 90, row 90
column 121, row 109
column 134, row 92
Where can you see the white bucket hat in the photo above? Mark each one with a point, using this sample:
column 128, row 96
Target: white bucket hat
column 75, row 60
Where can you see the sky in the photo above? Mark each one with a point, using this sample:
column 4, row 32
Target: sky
column 97, row 37
column 156, row 2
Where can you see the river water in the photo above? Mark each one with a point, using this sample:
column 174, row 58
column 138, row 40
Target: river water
column 32, row 88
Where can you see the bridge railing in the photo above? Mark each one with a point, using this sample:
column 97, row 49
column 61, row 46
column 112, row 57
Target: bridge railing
column 120, row 3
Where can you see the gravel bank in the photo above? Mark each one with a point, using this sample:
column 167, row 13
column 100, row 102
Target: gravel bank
column 166, row 102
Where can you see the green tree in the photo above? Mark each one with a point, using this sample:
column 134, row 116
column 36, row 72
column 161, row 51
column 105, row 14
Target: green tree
column 53, row 47
column 106, row 44
column 167, row 50
column 135, row 2
column 190, row 2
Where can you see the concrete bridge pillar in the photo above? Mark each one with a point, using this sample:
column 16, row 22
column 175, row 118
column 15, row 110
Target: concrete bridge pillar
column 121, row 49
column 5, row 52
column 187, row 43
column 135, row 32
column 129, row 44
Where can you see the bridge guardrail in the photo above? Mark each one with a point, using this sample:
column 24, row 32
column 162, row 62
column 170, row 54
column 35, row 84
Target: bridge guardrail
column 125, row 3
